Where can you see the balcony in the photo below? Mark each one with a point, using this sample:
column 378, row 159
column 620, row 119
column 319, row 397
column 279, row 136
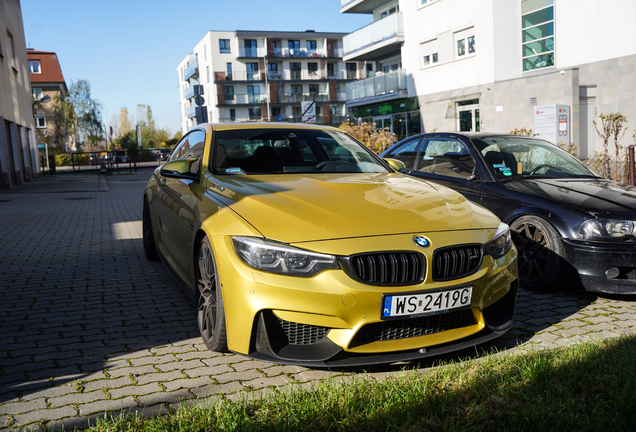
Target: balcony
column 320, row 119
column 379, row 85
column 375, row 41
column 252, row 52
column 189, row 92
column 192, row 70
column 245, row 99
column 301, row 97
column 360, row 6
column 238, row 76
column 191, row 111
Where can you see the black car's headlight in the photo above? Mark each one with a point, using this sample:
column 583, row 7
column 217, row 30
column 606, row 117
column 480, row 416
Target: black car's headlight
column 281, row 258
column 501, row 242
column 608, row 230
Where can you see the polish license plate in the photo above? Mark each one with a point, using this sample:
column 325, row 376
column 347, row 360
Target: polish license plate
column 422, row 304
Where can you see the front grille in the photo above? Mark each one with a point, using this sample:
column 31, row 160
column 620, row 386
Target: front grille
column 387, row 268
column 290, row 333
column 414, row 327
column 456, row 262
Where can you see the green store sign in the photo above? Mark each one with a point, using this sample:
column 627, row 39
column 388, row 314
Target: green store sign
column 385, row 108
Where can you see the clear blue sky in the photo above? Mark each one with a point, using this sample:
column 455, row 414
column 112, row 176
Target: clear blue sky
column 129, row 50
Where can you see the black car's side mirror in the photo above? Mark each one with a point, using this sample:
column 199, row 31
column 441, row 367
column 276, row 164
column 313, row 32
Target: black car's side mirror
column 474, row 176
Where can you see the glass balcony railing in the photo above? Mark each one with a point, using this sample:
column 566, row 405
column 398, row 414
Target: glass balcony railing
column 238, row 76
column 191, row 111
column 191, row 70
column 245, row 99
column 252, row 52
column 374, row 33
column 189, row 92
column 300, row 97
column 381, row 84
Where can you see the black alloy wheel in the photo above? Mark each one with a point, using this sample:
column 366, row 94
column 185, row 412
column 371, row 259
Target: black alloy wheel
column 210, row 310
column 150, row 249
column 542, row 264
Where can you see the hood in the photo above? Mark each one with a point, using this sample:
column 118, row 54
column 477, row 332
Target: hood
column 297, row 208
column 599, row 197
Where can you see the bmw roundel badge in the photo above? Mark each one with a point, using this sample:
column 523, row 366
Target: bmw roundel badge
column 422, row 242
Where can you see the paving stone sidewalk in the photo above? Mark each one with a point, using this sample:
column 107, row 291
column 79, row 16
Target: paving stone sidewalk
column 89, row 326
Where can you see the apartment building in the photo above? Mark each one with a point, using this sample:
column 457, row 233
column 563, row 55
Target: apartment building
column 46, row 80
column 18, row 149
column 382, row 96
column 497, row 65
column 265, row 76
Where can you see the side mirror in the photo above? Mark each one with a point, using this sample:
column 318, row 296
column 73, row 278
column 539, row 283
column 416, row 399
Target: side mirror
column 396, row 164
column 179, row 168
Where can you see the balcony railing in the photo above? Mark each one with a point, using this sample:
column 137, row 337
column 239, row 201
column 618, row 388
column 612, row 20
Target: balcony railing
column 189, row 92
column 300, row 97
column 245, row 99
column 320, row 119
column 252, row 52
column 191, row 111
column 392, row 82
column 305, row 53
column 238, row 76
column 374, row 33
column 191, row 70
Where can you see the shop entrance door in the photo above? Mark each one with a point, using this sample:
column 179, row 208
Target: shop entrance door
column 468, row 118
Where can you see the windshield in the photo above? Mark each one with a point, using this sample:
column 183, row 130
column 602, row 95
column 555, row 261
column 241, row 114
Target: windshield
column 517, row 157
column 275, row 151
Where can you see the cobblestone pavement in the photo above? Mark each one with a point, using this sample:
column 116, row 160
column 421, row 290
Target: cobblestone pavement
column 88, row 325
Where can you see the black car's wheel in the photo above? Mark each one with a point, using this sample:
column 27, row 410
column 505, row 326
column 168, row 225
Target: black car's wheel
column 210, row 313
column 542, row 264
column 150, row 250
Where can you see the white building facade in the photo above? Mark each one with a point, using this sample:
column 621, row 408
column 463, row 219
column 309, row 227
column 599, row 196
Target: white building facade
column 485, row 65
column 264, row 76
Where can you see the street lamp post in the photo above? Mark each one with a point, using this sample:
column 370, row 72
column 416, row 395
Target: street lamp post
column 46, row 98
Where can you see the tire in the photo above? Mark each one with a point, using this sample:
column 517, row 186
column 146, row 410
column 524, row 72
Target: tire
column 150, row 249
column 210, row 310
column 542, row 261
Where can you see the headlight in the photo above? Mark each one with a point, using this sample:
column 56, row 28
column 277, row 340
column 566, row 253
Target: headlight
column 501, row 242
column 608, row 230
column 280, row 258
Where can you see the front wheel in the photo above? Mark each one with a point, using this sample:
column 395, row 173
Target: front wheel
column 542, row 263
column 210, row 310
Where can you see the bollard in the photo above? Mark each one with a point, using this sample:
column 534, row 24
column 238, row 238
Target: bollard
column 630, row 163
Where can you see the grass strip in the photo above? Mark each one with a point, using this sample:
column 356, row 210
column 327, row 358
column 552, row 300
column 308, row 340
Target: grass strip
column 586, row 387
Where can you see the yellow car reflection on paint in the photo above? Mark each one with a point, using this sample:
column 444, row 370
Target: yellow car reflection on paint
column 301, row 246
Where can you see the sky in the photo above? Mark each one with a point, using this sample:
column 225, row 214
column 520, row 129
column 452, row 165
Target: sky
column 129, row 50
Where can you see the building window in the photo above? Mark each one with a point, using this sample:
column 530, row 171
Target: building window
column 331, row 70
column 430, row 59
column 295, row 71
column 11, row 51
column 207, row 72
column 224, row 45
column 312, row 68
column 34, row 67
column 425, row 2
column 254, row 94
column 37, row 94
column 537, row 34
column 296, row 89
column 40, row 122
column 229, row 72
column 352, row 71
column 250, row 48
column 232, row 114
column 229, row 93
column 255, row 113
column 465, row 42
column 252, row 71
column 311, row 46
column 314, row 89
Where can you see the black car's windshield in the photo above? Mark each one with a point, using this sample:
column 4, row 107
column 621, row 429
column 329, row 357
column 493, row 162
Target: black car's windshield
column 516, row 157
column 269, row 151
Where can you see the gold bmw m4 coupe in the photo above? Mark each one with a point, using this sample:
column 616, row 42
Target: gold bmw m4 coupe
column 301, row 246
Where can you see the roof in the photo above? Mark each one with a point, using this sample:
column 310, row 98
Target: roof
column 49, row 65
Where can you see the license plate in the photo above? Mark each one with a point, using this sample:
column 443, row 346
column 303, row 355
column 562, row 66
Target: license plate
column 422, row 304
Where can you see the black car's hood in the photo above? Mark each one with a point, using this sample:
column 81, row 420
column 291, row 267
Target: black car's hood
column 600, row 197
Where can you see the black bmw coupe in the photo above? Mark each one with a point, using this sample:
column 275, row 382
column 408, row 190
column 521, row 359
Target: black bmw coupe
column 571, row 227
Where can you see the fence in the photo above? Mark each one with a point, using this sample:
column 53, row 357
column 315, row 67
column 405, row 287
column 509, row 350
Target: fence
column 109, row 161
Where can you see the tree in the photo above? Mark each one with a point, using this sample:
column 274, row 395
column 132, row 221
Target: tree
column 64, row 119
column 125, row 125
column 376, row 139
column 87, row 113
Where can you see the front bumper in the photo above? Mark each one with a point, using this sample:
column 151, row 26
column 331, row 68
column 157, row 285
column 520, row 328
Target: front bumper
column 590, row 262
column 324, row 353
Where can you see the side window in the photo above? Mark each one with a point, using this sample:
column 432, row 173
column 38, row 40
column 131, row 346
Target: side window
column 406, row 153
column 446, row 157
column 190, row 146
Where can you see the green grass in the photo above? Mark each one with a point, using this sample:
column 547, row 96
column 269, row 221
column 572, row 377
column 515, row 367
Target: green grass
column 586, row 387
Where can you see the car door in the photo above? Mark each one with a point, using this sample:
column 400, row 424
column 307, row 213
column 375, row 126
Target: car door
column 448, row 161
column 406, row 152
column 178, row 200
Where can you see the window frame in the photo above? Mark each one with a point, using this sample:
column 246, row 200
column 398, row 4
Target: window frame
column 32, row 69
column 40, row 121
column 225, row 49
column 548, row 56
column 41, row 92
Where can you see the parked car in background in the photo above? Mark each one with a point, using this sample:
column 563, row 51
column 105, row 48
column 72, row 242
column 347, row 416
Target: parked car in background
column 569, row 224
column 120, row 156
column 300, row 245
column 162, row 154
